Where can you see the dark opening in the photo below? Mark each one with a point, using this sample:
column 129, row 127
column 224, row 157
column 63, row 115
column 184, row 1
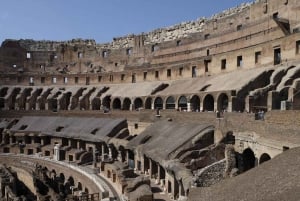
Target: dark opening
column 156, row 74
column 264, row 157
column 116, row 103
column 257, row 57
column 195, row 103
column 59, row 128
column 158, row 103
column 239, row 61
column 168, row 72
column 170, row 103
column 138, row 103
column 23, row 127
column 223, row 64
column 248, row 159
column 277, row 56
column 194, row 71
column 126, row 104
column 208, row 103
column 148, row 103
column 182, row 103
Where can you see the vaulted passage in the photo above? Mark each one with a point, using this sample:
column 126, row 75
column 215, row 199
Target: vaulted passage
column 138, row 103
column 182, row 103
column 195, row 103
column 106, row 102
column 248, row 159
column 116, row 103
column 148, row 103
column 208, row 103
column 158, row 103
column 264, row 157
column 126, row 104
column 170, row 103
column 223, row 102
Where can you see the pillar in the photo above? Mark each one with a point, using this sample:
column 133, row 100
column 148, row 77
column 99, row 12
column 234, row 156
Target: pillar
column 188, row 107
column 127, row 156
column 158, row 174
column 201, row 106
column 102, row 152
column 120, row 156
column 150, row 167
column 56, row 155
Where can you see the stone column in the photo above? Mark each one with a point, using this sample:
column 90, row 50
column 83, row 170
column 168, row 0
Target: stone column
column 56, row 155
column 158, row 174
column 120, row 156
column 201, row 106
column 127, row 156
column 110, row 152
column 188, row 107
column 150, row 167
column 102, row 151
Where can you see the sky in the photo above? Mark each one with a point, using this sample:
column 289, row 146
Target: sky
column 101, row 20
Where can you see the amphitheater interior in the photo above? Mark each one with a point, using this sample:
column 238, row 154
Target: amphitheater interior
column 201, row 110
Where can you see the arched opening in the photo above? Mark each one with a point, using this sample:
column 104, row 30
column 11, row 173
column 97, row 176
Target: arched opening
column 96, row 103
column 116, row 104
column 283, row 96
column 122, row 154
column 158, row 103
column 79, row 186
column 65, row 101
column 223, row 102
column 195, row 103
column 106, row 102
column 138, row 103
column 208, row 103
column 248, row 159
column 264, row 157
column 182, row 103
column 148, row 103
column 126, row 104
column 170, row 102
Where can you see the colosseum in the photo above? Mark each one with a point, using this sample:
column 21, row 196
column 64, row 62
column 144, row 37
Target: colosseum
column 202, row 110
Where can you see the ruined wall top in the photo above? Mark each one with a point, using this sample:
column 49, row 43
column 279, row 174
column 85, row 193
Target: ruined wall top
column 181, row 30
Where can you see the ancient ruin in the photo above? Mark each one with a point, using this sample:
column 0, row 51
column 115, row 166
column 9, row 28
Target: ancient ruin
column 194, row 111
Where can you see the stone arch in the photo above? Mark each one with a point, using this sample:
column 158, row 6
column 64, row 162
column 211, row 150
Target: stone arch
column 170, row 102
column 248, row 159
column 126, row 104
column 138, row 103
column 182, row 103
column 79, row 186
column 195, row 103
column 148, row 103
column 96, row 103
column 264, row 157
column 208, row 103
column 64, row 102
column 158, row 103
column 282, row 96
column 223, row 102
column 116, row 103
column 106, row 102
column 122, row 154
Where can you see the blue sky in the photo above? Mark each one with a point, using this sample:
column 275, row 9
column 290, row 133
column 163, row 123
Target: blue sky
column 98, row 19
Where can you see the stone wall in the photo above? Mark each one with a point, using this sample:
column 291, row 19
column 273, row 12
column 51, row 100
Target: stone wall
column 211, row 174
